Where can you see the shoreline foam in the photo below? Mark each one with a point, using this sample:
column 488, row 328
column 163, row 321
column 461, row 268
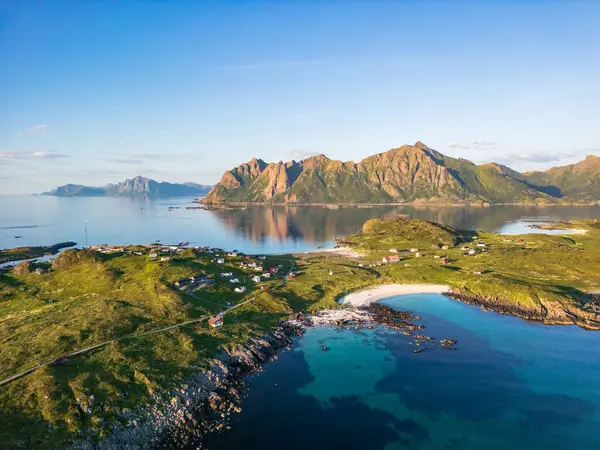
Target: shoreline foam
column 371, row 295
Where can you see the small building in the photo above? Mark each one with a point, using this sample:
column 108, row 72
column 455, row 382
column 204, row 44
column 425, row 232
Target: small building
column 472, row 252
column 262, row 258
column 164, row 258
column 264, row 288
column 267, row 275
column 414, row 250
column 216, row 321
column 220, row 261
column 226, row 274
column 477, row 272
column 273, row 270
column 393, row 250
column 152, row 255
column 292, row 275
column 419, row 254
column 256, row 278
column 240, row 289
column 184, row 282
column 464, row 249
column 436, row 256
column 391, row 259
column 445, row 247
column 234, row 281
column 361, row 265
column 445, row 261
column 481, row 244
column 232, row 254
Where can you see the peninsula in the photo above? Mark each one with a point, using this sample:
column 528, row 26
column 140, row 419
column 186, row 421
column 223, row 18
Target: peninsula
column 408, row 174
column 115, row 346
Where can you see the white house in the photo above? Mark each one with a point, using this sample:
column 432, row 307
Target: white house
column 472, row 252
column 414, row 250
column 153, row 255
column 480, row 244
column 234, row 281
column 240, row 289
column 267, row 275
column 221, row 261
column 256, row 278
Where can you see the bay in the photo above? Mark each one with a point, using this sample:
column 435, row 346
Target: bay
column 44, row 220
column 510, row 384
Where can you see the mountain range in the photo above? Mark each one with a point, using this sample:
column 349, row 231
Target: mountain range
column 138, row 186
column 408, row 174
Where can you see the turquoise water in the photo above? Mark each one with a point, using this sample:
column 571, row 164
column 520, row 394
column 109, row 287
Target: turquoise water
column 510, row 384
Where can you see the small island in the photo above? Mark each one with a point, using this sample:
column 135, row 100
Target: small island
column 20, row 253
column 151, row 343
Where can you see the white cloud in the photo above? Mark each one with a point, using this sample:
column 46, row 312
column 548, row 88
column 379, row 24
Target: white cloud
column 474, row 144
column 12, row 155
column 40, row 129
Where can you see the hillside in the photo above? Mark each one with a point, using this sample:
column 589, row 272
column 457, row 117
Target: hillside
column 136, row 186
column 577, row 182
column 411, row 173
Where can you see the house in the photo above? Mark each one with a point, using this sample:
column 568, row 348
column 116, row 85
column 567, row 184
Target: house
column 233, row 254
column 234, row 281
column 464, row 249
column 437, row 256
column 472, row 252
column 216, row 321
column 262, row 258
column 267, row 275
column 138, row 253
column 419, row 254
column 391, row 259
column 240, row 289
column 164, row 258
column 361, row 265
column 292, row 275
column 481, row 244
column 184, row 282
column 256, row 279
column 414, row 250
column 153, row 255
column 273, row 270
column 445, row 261
column 264, row 288
column 445, row 247
column 477, row 272
column 258, row 269
column 220, row 261
column 226, row 274
column 393, row 250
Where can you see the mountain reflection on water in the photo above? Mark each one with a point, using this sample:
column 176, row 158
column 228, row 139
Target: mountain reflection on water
column 322, row 224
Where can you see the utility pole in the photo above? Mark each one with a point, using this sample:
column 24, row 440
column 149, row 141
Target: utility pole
column 86, row 233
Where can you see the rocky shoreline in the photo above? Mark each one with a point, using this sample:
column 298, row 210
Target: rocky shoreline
column 549, row 312
column 201, row 404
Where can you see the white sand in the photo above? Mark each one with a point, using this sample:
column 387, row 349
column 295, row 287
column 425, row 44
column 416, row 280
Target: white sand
column 363, row 298
column 340, row 251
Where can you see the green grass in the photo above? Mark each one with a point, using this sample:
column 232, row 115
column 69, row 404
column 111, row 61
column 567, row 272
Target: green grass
column 88, row 298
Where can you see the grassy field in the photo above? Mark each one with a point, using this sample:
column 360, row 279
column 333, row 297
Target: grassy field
column 87, row 297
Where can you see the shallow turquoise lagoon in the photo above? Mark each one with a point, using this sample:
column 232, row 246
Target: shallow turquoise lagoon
column 509, row 384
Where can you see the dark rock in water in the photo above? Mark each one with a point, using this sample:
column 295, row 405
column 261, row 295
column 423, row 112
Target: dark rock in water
column 398, row 320
column 18, row 237
column 325, row 348
column 419, row 350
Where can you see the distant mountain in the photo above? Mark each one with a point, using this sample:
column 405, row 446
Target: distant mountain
column 409, row 174
column 138, row 186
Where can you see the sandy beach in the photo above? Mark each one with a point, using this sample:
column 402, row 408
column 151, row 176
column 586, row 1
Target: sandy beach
column 365, row 297
column 346, row 252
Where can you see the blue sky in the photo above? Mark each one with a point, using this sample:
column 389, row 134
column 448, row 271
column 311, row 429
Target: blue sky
column 94, row 92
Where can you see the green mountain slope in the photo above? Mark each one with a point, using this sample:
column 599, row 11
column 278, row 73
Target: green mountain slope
column 576, row 182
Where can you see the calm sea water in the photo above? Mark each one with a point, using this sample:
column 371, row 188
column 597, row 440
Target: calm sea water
column 510, row 384
column 47, row 220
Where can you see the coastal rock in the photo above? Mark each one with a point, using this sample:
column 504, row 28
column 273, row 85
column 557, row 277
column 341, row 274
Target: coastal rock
column 23, row 268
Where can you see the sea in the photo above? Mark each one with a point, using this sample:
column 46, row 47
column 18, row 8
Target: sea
column 510, row 384
column 46, row 220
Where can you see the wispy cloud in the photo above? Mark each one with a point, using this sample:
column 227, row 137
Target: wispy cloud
column 125, row 160
column 40, row 129
column 474, row 144
column 12, row 155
